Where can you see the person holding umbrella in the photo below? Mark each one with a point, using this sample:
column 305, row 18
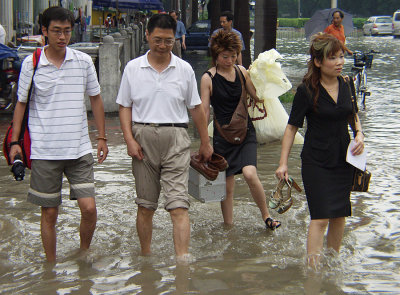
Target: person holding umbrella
column 336, row 29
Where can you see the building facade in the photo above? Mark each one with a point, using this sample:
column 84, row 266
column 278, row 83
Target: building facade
column 20, row 17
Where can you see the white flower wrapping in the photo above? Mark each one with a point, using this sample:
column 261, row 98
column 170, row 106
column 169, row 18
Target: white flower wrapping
column 270, row 82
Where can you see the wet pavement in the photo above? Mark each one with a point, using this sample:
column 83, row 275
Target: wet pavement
column 245, row 259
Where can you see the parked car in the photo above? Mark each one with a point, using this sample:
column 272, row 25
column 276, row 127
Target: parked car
column 378, row 25
column 198, row 35
column 396, row 24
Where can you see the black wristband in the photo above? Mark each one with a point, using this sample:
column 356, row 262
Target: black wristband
column 13, row 143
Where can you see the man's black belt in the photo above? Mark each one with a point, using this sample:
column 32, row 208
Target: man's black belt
column 180, row 125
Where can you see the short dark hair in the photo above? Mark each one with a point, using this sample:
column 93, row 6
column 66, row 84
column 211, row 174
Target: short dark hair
column 172, row 11
column 224, row 41
column 162, row 21
column 57, row 13
column 340, row 13
column 228, row 15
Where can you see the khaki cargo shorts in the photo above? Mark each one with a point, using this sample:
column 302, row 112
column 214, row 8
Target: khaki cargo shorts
column 47, row 178
column 165, row 164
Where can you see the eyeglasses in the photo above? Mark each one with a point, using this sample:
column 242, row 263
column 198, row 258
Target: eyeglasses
column 167, row 42
column 60, row 32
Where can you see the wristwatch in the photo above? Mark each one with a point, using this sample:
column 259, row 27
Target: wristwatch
column 14, row 143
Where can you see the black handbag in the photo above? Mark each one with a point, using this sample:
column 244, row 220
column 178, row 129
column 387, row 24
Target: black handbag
column 361, row 178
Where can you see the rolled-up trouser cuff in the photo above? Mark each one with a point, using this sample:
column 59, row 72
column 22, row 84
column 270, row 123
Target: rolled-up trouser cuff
column 174, row 204
column 146, row 204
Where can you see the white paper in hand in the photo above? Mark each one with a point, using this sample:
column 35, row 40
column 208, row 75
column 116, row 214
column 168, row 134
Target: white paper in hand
column 359, row 161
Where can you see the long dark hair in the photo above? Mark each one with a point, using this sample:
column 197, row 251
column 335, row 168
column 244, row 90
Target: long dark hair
column 322, row 46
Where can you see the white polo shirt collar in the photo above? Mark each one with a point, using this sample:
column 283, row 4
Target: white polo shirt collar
column 45, row 62
column 144, row 63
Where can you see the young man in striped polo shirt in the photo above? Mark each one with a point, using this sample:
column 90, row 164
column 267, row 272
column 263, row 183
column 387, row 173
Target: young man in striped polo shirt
column 58, row 127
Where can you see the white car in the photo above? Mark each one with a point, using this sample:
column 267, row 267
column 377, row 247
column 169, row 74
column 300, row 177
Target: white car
column 378, row 25
column 396, row 24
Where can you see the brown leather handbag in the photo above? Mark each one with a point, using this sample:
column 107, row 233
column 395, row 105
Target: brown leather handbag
column 361, row 178
column 235, row 132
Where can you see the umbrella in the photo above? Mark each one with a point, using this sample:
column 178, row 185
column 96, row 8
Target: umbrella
column 129, row 4
column 6, row 52
column 323, row 18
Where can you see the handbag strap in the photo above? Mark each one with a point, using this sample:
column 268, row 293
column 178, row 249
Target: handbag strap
column 353, row 106
column 243, row 98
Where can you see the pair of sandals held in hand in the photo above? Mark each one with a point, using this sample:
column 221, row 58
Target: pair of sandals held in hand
column 278, row 201
column 209, row 169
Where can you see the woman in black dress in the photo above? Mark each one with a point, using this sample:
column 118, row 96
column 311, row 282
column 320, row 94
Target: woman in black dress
column 221, row 87
column 324, row 100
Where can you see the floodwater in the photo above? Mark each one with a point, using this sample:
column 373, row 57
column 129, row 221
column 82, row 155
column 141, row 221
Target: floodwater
column 245, row 259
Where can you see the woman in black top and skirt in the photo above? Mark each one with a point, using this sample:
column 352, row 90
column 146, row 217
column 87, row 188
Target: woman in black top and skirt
column 221, row 87
column 324, row 99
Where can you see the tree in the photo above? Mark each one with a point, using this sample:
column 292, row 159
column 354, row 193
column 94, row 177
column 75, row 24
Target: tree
column 195, row 11
column 242, row 24
column 266, row 17
column 227, row 4
column 214, row 13
column 183, row 14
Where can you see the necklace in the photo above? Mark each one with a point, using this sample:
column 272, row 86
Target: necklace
column 331, row 89
column 228, row 75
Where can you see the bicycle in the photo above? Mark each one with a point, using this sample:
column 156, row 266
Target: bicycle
column 362, row 62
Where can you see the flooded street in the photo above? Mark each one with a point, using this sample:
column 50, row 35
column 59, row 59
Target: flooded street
column 245, row 259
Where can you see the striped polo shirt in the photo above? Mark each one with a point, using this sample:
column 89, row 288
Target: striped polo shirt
column 57, row 111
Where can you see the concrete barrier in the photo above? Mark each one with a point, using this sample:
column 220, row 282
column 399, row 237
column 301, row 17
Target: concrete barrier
column 110, row 72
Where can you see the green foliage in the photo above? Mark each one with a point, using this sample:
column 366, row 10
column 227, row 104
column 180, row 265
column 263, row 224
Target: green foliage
column 299, row 22
column 287, row 97
column 292, row 22
column 358, row 22
column 364, row 8
column 203, row 16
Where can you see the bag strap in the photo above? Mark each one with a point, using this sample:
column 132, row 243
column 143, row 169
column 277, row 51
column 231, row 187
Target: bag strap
column 35, row 60
column 209, row 73
column 243, row 96
column 352, row 97
column 354, row 117
column 243, row 79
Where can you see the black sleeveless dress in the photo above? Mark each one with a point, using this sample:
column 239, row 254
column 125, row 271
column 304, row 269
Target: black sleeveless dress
column 224, row 100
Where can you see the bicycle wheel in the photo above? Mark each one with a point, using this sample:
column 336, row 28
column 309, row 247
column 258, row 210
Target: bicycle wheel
column 357, row 82
column 364, row 80
column 363, row 99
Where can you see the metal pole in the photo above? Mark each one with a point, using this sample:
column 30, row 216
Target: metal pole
column 333, row 3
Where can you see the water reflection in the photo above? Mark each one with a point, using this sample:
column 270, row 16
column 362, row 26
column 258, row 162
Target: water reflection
column 244, row 259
